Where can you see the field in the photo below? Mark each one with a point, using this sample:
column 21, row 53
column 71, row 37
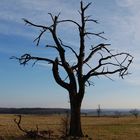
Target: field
column 103, row 128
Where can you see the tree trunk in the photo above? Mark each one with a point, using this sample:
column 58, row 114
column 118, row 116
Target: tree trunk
column 75, row 119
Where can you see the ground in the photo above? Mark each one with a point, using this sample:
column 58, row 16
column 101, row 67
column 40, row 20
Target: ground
column 102, row 128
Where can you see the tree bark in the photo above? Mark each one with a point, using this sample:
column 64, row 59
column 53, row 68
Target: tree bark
column 75, row 119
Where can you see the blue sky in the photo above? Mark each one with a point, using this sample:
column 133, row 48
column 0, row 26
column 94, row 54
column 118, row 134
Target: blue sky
column 34, row 86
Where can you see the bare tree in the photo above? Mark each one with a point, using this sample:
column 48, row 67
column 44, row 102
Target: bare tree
column 117, row 114
column 77, row 79
column 134, row 112
column 98, row 111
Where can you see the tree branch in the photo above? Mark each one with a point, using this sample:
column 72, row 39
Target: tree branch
column 39, row 37
column 36, row 25
column 18, row 122
column 68, row 20
column 57, row 77
column 94, row 50
column 91, row 20
column 120, row 66
column 51, row 46
column 24, row 59
column 62, row 55
column 96, row 34
column 84, row 8
column 69, row 48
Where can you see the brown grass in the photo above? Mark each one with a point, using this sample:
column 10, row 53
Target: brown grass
column 103, row 128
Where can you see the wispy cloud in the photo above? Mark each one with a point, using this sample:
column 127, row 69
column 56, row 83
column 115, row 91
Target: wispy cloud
column 133, row 81
column 127, row 3
column 11, row 12
column 45, row 65
column 128, row 26
column 124, row 33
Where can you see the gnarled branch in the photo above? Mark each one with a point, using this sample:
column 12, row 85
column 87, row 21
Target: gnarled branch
column 39, row 37
column 94, row 50
column 18, row 122
column 96, row 34
column 29, row 133
column 36, row 25
column 66, row 46
column 57, row 76
column 120, row 67
column 24, row 59
column 68, row 20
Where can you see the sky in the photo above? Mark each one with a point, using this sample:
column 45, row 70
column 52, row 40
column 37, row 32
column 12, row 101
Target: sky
column 34, row 86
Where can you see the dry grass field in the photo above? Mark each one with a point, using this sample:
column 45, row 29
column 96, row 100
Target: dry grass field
column 103, row 128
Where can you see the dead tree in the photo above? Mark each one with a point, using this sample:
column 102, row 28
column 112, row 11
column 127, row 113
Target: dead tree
column 98, row 111
column 134, row 112
column 28, row 133
column 33, row 133
column 107, row 62
column 64, row 129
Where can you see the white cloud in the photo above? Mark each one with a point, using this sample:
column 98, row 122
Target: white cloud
column 43, row 64
column 11, row 13
column 127, row 3
column 125, row 24
column 133, row 81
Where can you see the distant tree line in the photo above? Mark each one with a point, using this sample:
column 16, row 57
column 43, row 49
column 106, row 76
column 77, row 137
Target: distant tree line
column 33, row 111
